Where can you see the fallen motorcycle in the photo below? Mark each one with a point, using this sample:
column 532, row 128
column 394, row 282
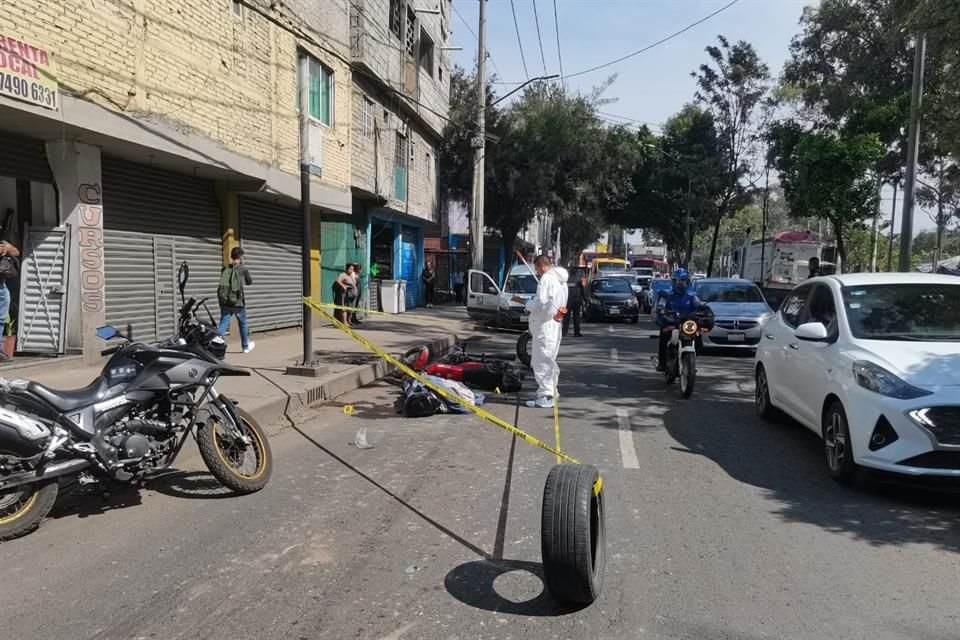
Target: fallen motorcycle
column 130, row 422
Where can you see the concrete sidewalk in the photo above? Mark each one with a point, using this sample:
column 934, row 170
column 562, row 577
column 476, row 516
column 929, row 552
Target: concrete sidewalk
column 270, row 394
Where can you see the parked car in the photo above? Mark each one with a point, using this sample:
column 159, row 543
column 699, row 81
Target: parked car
column 611, row 299
column 740, row 312
column 633, row 281
column 657, row 286
column 486, row 301
column 870, row 363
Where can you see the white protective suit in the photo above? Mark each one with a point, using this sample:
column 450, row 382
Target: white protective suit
column 551, row 295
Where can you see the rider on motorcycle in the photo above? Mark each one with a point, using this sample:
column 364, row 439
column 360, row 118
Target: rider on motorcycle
column 673, row 307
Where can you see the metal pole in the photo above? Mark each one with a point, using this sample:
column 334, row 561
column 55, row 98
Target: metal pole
column 763, row 228
column 913, row 149
column 479, row 144
column 305, row 207
column 893, row 219
column 874, row 235
column 688, row 247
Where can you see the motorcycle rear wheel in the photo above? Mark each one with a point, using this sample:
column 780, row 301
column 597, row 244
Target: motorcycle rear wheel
column 23, row 508
column 244, row 468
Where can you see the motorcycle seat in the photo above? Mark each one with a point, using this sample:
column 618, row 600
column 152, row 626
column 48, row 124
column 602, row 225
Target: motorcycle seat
column 71, row 399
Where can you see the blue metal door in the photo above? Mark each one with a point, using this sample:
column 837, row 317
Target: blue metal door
column 409, row 264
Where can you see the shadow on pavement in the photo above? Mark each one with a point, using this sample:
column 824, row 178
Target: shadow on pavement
column 474, row 584
column 191, row 485
column 786, row 460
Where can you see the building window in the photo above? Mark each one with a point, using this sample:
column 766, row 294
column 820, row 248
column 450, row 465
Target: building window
column 366, row 117
column 400, row 168
column 237, row 9
column 428, row 165
column 411, row 31
column 426, row 52
column 440, row 73
column 321, row 92
column 413, row 157
column 395, row 22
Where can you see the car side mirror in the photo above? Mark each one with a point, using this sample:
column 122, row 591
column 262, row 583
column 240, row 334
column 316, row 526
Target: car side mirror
column 812, row 332
column 491, row 290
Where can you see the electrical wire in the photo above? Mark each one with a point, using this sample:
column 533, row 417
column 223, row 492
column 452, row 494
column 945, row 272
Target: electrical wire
column 657, row 43
column 648, row 47
column 556, row 27
column 516, row 26
column 536, row 18
column 474, row 34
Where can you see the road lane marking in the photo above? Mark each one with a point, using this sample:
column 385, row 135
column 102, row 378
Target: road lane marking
column 627, row 451
column 614, row 355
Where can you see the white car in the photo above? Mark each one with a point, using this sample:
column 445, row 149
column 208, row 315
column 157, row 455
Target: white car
column 871, row 363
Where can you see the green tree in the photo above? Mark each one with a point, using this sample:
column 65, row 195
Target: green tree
column 825, row 174
column 732, row 85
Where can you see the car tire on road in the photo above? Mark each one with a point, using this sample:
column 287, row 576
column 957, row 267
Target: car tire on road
column 573, row 533
column 836, row 444
column 765, row 409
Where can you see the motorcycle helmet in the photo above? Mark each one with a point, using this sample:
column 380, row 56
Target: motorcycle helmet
column 681, row 281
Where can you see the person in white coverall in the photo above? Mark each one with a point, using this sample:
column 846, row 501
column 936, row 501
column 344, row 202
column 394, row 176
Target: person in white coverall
column 546, row 323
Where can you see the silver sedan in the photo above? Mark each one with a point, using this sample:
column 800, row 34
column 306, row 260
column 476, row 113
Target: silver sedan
column 740, row 310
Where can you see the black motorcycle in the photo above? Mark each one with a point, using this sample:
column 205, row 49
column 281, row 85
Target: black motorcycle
column 129, row 423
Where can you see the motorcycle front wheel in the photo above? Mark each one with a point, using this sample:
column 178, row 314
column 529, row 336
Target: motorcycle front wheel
column 23, row 508
column 243, row 463
column 688, row 373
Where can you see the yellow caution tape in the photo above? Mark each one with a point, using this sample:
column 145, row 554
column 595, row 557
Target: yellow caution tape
column 556, row 420
column 489, row 417
column 598, row 486
column 427, row 320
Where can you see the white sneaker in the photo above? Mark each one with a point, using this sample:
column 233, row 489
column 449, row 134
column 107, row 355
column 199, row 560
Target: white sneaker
column 250, row 347
column 542, row 402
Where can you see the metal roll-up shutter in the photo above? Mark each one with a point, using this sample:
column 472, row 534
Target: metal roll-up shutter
column 24, row 158
column 271, row 241
column 153, row 221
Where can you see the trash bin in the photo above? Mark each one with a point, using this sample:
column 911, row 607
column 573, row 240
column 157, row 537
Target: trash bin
column 402, row 296
column 389, row 296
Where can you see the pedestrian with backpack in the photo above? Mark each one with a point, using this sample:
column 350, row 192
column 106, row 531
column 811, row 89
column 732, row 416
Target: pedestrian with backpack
column 233, row 278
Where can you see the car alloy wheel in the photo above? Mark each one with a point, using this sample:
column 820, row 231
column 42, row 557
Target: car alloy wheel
column 837, row 446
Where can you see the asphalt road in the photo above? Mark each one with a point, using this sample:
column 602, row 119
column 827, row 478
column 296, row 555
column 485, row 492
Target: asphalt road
column 718, row 526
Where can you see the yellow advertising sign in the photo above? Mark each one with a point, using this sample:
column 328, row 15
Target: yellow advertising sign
column 27, row 72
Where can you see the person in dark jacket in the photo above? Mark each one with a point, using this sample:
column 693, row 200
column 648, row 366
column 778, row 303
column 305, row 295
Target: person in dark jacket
column 575, row 297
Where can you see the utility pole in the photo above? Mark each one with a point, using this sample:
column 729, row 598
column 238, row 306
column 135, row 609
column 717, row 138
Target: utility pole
column 688, row 243
column 763, row 229
column 479, row 144
column 874, row 235
column 913, row 150
column 893, row 219
column 305, row 206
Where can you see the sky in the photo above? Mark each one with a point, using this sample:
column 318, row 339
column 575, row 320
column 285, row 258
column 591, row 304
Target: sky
column 649, row 87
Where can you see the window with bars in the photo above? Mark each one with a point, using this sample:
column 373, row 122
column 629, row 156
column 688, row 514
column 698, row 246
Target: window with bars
column 412, row 166
column 411, row 31
column 366, row 117
column 395, row 15
column 400, row 168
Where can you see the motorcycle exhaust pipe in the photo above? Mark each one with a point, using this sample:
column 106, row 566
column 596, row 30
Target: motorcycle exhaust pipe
column 56, row 470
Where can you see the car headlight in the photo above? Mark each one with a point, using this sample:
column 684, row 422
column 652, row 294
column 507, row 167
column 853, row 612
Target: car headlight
column 877, row 379
column 595, row 301
column 631, row 302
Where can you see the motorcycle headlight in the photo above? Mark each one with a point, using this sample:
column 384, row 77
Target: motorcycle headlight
column 689, row 327
column 877, row 379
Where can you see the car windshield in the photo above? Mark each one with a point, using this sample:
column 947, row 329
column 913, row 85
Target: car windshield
column 525, row 283
column 607, row 267
column 909, row 311
column 611, row 285
column 728, row 292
